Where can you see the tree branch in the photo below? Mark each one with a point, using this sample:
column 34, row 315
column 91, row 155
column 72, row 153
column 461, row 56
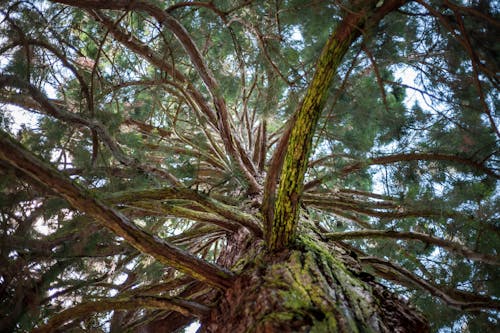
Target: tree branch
column 50, row 109
column 296, row 159
column 231, row 143
column 380, row 209
column 448, row 245
column 405, row 157
column 187, row 308
column 400, row 275
column 226, row 211
column 17, row 156
column 146, row 208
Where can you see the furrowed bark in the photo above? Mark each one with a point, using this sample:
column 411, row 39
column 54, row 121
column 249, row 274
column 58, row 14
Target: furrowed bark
column 311, row 288
column 15, row 155
column 296, row 159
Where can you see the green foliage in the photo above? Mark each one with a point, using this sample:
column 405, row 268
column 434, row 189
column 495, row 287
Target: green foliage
column 422, row 82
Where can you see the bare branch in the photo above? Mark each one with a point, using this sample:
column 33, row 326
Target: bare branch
column 49, row 108
column 398, row 274
column 448, row 245
column 185, row 307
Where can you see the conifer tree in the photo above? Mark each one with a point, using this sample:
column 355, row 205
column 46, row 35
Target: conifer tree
column 252, row 166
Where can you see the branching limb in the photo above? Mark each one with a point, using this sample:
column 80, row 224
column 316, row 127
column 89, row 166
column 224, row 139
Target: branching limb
column 463, row 39
column 146, row 208
column 64, row 61
column 50, row 109
column 223, row 121
column 17, row 156
column 226, row 211
column 448, row 245
column 376, row 209
column 405, row 157
column 398, row 274
column 157, row 60
column 185, row 307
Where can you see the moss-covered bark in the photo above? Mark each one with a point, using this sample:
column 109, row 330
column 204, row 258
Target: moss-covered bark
column 283, row 221
column 313, row 287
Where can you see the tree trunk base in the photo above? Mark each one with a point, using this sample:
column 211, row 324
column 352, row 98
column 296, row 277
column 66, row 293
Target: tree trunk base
column 308, row 289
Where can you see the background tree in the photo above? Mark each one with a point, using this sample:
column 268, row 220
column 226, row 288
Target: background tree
column 253, row 165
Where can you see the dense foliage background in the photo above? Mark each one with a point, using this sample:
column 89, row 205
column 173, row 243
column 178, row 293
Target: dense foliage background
column 121, row 104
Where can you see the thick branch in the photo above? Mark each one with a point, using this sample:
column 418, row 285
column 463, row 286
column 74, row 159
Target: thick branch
column 16, row 155
column 405, row 157
column 286, row 207
column 187, row 308
column 226, row 211
column 448, row 245
column 398, row 274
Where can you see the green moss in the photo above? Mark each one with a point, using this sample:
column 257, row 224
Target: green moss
column 329, row 324
column 296, row 299
column 355, row 290
column 278, row 317
column 310, row 244
column 240, row 265
column 306, row 283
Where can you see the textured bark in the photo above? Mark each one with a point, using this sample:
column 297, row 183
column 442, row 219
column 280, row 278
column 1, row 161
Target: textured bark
column 313, row 287
column 282, row 222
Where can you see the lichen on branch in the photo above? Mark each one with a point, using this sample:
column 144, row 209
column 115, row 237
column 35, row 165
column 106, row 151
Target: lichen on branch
column 283, row 221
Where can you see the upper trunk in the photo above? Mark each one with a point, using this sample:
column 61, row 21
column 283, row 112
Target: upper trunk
column 281, row 213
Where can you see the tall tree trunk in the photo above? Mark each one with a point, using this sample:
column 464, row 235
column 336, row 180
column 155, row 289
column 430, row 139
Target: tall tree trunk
column 312, row 287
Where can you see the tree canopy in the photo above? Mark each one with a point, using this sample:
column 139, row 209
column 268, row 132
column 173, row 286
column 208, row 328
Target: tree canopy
column 156, row 132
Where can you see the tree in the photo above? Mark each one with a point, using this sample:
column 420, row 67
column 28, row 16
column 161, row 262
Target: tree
column 252, row 165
